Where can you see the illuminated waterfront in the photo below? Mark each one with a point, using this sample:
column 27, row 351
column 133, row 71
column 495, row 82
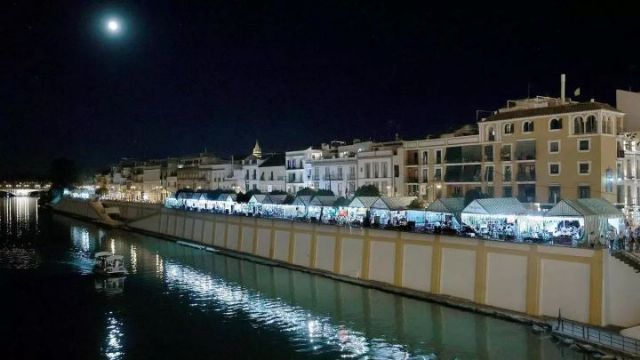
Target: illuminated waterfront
column 179, row 301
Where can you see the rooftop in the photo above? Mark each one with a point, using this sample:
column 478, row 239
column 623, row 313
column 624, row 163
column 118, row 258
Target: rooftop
column 551, row 110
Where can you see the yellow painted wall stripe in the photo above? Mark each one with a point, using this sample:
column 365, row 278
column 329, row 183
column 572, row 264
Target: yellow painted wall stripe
column 533, row 281
column 480, row 289
column 436, row 265
column 596, row 288
column 398, row 260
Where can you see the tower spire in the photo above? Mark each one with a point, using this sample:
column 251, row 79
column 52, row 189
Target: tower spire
column 257, row 152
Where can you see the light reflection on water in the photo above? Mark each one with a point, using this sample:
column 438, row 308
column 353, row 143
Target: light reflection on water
column 300, row 324
column 18, row 219
column 113, row 348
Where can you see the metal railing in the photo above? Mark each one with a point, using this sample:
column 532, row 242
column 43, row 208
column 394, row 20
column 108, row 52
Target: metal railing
column 597, row 336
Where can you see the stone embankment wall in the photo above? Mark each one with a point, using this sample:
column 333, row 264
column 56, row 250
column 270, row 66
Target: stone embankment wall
column 587, row 285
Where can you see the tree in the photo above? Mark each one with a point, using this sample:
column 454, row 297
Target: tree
column 306, row 191
column 416, row 204
column 367, row 190
column 101, row 191
column 473, row 194
column 278, row 192
column 341, row 201
column 245, row 197
column 63, row 173
column 323, row 192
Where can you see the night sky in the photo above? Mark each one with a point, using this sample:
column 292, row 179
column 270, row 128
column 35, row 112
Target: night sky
column 184, row 76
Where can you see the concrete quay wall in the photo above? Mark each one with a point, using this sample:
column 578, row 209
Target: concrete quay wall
column 587, row 285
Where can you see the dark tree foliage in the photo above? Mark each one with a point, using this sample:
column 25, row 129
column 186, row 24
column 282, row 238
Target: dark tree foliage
column 245, row 197
column 278, row 192
column 323, row 192
column 367, row 190
column 473, row 194
column 416, row 204
column 306, row 191
column 341, row 201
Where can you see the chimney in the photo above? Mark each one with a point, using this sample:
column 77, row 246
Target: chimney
column 563, row 81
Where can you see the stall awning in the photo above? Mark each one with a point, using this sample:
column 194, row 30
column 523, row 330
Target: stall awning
column 323, row 200
column 257, row 199
column 302, row 200
column 452, row 206
column 363, row 201
column 275, row 199
column 584, row 207
column 495, row 206
column 227, row 197
column 393, row 203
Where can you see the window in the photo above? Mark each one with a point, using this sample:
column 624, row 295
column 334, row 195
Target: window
column 438, row 156
column 437, row 175
column 384, row 170
column 578, row 125
column 555, row 124
column 620, row 194
column 488, row 172
column 506, row 174
column 584, row 167
column 554, row 147
column 591, row 125
column 527, row 126
column 488, row 153
column 491, row 134
column 507, row 191
column 456, row 191
column 425, row 175
column 425, row 157
column 505, row 152
column 584, row 192
column 376, row 170
column 554, row 194
column 554, row 169
column 584, row 145
column 508, row 128
column 396, row 171
column 585, row 126
column 367, row 171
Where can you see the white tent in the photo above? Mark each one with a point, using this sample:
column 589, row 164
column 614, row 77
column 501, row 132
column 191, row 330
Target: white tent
column 257, row 199
column 363, row 201
column 392, row 203
column 598, row 216
column 452, row 206
column 323, row 200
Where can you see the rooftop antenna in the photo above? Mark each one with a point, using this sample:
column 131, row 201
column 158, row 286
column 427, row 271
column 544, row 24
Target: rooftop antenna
column 563, row 81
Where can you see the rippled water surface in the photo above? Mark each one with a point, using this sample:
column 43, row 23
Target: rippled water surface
column 178, row 302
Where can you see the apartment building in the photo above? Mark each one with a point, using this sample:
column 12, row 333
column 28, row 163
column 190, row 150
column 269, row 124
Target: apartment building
column 539, row 150
column 336, row 170
column 381, row 167
column 299, row 168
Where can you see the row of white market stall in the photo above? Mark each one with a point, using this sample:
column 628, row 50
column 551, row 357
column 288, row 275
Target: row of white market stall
column 570, row 222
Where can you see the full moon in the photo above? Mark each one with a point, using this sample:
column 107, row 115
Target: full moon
column 113, row 26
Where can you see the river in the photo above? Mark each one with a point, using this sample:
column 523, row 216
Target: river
column 180, row 302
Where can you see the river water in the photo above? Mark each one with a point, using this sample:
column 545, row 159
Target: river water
column 179, row 302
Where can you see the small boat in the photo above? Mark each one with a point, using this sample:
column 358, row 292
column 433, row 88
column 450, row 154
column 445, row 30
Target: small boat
column 108, row 264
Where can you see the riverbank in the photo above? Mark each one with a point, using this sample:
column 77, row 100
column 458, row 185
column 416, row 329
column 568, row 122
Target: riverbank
column 496, row 279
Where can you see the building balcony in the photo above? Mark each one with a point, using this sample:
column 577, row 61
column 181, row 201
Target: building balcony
column 412, row 180
column 351, row 177
column 333, row 177
column 411, row 163
column 294, row 167
column 526, row 176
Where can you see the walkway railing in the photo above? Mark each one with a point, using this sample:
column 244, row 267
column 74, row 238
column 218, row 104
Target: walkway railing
column 597, row 336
